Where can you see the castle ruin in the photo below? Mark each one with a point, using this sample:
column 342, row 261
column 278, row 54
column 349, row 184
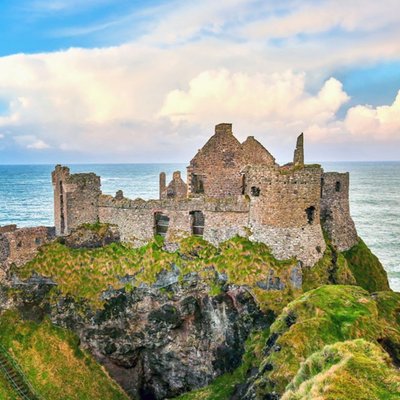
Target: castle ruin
column 232, row 189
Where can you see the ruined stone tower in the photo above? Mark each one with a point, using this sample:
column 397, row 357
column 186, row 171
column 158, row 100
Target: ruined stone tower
column 75, row 199
column 298, row 158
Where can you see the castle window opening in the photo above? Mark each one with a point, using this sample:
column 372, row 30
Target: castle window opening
column 170, row 193
column 197, row 222
column 255, row 191
column 161, row 222
column 338, row 186
column 243, row 184
column 197, row 184
column 310, row 211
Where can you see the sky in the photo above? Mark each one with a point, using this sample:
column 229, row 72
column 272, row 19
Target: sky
column 113, row 81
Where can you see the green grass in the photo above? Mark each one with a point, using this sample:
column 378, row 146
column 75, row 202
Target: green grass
column 332, row 268
column 366, row 268
column 323, row 316
column 86, row 273
column 53, row 363
column 356, row 370
column 6, row 391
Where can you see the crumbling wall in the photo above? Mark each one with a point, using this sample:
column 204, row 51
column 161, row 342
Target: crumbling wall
column 176, row 189
column 215, row 171
column 305, row 243
column 233, row 189
column 335, row 210
column 75, row 199
column 298, row 157
column 224, row 218
column 255, row 153
column 18, row 246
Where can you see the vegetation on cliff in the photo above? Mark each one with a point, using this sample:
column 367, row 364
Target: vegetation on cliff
column 366, row 268
column 320, row 317
column 332, row 268
column 330, row 344
column 314, row 346
column 86, row 273
column 346, row 370
column 52, row 361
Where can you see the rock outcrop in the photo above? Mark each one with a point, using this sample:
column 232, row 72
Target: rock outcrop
column 156, row 341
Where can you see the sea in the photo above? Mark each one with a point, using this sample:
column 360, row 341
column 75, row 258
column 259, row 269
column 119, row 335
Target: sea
column 26, row 197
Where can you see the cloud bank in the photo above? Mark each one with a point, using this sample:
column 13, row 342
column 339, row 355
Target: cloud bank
column 268, row 69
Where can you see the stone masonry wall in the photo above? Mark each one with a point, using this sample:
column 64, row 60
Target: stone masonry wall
column 285, row 210
column 176, row 189
column 255, row 153
column 298, row 157
column 75, row 199
column 217, row 166
column 233, row 189
column 281, row 197
column 18, row 246
column 224, row 218
column 305, row 243
column 335, row 210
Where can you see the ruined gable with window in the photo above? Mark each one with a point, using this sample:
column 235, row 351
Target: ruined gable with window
column 232, row 189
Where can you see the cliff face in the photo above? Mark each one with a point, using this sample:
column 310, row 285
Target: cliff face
column 156, row 342
column 158, row 345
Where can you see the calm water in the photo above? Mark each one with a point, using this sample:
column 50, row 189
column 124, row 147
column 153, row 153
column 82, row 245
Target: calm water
column 26, row 198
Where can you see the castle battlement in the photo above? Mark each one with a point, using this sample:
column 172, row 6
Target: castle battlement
column 232, row 189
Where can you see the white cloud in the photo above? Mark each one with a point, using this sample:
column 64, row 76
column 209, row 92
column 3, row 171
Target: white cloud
column 31, row 142
column 277, row 102
column 38, row 145
column 310, row 17
column 379, row 123
column 200, row 64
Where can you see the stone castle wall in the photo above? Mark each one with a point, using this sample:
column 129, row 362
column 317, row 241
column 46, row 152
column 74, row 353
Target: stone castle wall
column 75, row 199
column 215, row 171
column 285, row 210
column 284, row 197
column 254, row 153
column 335, row 210
column 223, row 218
column 176, row 189
column 18, row 246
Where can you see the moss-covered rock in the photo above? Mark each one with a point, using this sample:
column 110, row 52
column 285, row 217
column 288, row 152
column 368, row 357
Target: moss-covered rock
column 356, row 370
column 332, row 268
column 91, row 236
column 366, row 268
column 323, row 316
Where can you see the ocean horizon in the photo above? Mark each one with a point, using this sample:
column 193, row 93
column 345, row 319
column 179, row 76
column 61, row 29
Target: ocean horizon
column 26, row 197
